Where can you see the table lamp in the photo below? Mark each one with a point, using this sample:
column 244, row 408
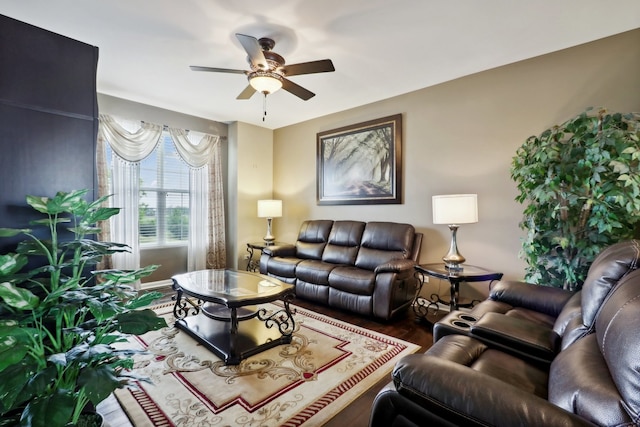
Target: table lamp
column 269, row 209
column 453, row 210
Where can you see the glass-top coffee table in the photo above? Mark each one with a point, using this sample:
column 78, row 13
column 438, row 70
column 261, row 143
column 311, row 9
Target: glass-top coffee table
column 221, row 309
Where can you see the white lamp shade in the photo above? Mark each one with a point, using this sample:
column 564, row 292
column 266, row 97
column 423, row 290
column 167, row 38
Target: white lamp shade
column 455, row 209
column 269, row 208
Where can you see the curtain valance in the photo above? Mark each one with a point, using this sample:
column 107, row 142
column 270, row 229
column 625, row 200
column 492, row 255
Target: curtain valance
column 130, row 146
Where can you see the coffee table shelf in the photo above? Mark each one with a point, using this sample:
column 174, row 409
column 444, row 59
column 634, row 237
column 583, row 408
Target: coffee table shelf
column 221, row 309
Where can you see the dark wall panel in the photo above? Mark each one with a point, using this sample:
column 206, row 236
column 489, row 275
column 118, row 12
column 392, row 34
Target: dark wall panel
column 48, row 118
column 41, row 69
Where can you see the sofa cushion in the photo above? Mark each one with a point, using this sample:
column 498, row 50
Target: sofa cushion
column 347, row 301
column 344, row 242
column 314, row 271
column 312, row 238
column 284, row 266
column 312, row 291
column 384, row 241
column 353, row 280
column 408, row 373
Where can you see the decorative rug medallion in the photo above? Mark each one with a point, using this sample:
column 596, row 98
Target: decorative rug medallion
column 328, row 364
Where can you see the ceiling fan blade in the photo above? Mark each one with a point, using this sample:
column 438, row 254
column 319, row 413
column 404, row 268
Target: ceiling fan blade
column 254, row 50
column 217, row 70
column 322, row 66
column 247, row 92
column 297, row 90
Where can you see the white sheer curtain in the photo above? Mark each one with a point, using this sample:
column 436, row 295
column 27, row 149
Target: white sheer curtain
column 203, row 158
column 199, row 157
column 130, row 146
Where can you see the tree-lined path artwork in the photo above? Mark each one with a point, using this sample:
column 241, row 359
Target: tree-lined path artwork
column 360, row 164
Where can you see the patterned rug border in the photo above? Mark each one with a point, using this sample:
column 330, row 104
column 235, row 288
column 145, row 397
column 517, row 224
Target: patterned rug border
column 312, row 414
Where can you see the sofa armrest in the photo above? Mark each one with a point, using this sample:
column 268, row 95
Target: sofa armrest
column 528, row 339
column 467, row 397
column 395, row 266
column 281, row 251
column 543, row 299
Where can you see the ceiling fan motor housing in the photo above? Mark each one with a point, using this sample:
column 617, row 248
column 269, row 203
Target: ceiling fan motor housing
column 275, row 62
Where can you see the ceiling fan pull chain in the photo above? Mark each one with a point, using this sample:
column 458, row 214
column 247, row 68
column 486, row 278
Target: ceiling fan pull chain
column 264, row 106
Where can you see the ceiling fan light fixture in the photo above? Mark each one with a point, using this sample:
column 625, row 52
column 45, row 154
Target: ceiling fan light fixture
column 265, row 82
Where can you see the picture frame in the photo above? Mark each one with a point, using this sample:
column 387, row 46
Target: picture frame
column 361, row 164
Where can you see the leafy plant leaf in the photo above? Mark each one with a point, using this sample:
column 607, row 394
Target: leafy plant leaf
column 54, row 410
column 138, row 322
column 11, row 263
column 98, row 382
column 19, row 298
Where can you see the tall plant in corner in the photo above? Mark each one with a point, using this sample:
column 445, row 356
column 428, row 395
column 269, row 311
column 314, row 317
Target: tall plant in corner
column 60, row 319
column 580, row 182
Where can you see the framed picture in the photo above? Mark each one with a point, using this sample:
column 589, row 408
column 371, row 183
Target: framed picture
column 361, row 164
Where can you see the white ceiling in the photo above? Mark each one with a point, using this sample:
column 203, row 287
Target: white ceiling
column 380, row 48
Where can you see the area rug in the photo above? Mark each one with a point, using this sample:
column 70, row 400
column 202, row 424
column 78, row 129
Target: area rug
column 328, row 364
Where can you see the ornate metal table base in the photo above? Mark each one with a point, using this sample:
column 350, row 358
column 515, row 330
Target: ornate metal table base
column 236, row 337
column 422, row 307
column 224, row 310
column 469, row 273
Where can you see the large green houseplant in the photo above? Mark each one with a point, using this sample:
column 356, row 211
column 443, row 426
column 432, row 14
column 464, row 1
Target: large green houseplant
column 580, row 183
column 60, row 318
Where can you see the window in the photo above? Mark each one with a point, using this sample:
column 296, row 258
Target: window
column 163, row 206
column 164, row 197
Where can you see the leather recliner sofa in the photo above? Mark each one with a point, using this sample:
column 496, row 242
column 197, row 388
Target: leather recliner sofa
column 591, row 378
column 538, row 321
column 365, row 268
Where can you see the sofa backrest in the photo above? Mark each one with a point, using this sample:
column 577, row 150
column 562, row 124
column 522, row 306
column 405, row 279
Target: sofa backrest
column 610, row 266
column 417, row 247
column 312, row 238
column 384, row 241
column 598, row 376
column 344, row 242
column 617, row 327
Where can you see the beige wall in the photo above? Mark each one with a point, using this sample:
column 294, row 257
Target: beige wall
column 251, row 152
column 460, row 136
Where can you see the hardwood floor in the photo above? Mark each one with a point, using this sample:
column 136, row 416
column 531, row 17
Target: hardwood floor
column 356, row 414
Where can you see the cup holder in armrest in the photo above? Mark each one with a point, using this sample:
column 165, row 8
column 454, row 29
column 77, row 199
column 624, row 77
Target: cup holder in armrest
column 461, row 324
column 468, row 318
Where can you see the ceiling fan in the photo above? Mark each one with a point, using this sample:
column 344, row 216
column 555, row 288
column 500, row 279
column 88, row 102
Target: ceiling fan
column 268, row 70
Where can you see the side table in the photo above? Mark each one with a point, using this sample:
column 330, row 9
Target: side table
column 468, row 273
column 254, row 264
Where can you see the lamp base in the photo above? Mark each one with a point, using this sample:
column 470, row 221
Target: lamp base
column 268, row 238
column 453, row 260
column 453, row 266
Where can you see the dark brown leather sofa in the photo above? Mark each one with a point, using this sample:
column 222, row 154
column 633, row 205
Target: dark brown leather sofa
column 365, row 268
column 538, row 321
column 536, row 356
